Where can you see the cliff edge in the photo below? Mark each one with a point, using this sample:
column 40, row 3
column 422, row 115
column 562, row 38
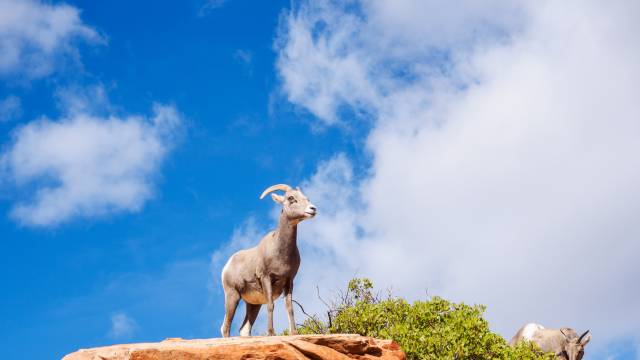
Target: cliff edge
column 299, row 347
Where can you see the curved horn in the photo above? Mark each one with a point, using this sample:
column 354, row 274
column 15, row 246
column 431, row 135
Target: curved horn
column 583, row 335
column 283, row 187
column 563, row 333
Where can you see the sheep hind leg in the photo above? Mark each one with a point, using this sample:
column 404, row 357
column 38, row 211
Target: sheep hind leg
column 249, row 319
column 231, row 299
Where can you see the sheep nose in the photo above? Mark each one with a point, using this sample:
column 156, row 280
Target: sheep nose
column 313, row 208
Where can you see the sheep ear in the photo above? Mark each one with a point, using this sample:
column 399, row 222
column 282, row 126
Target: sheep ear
column 277, row 198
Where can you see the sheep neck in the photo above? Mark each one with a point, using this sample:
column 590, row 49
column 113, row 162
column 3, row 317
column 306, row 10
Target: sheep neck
column 287, row 234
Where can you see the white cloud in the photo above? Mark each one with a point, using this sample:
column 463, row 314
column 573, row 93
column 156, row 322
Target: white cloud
column 10, row 108
column 36, row 36
column 504, row 155
column 330, row 55
column 74, row 100
column 122, row 326
column 88, row 166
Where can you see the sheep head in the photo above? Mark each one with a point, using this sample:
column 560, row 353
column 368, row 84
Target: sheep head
column 574, row 346
column 295, row 205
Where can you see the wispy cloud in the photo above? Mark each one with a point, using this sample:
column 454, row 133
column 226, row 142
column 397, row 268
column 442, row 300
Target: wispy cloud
column 244, row 236
column 89, row 100
column 245, row 58
column 122, row 326
column 209, row 6
column 36, row 36
column 10, row 108
column 87, row 166
column 179, row 292
column 503, row 146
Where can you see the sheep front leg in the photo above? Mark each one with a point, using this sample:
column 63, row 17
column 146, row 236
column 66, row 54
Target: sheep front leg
column 268, row 292
column 288, row 295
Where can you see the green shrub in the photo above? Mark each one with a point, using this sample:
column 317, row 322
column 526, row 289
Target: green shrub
column 432, row 329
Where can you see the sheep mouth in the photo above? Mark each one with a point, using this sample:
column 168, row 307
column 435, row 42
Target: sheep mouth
column 310, row 214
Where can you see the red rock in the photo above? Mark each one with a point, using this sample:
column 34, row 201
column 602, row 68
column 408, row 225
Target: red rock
column 300, row 347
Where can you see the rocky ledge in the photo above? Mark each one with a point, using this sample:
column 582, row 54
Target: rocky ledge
column 300, row 347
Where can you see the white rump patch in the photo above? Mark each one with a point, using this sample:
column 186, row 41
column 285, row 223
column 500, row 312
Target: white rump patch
column 226, row 266
column 530, row 329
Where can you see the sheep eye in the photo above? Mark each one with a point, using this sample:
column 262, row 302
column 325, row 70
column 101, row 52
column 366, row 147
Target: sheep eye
column 290, row 198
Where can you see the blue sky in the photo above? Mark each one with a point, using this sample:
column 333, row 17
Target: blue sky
column 64, row 282
column 457, row 140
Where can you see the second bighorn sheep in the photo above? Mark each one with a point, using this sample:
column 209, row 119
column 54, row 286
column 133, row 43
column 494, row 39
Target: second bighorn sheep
column 564, row 342
column 259, row 275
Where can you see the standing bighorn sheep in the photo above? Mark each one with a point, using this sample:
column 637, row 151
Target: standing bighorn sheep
column 260, row 274
column 565, row 342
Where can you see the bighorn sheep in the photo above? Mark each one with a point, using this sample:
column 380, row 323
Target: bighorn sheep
column 565, row 342
column 260, row 274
